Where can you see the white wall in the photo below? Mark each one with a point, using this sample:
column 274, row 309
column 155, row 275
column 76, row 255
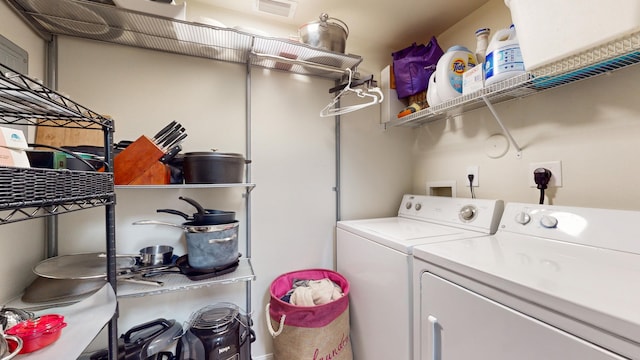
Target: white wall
column 591, row 126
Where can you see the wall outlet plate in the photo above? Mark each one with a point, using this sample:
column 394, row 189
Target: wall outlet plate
column 556, row 173
column 472, row 169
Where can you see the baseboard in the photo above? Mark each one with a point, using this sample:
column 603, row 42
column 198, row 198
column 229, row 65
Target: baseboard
column 264, row 357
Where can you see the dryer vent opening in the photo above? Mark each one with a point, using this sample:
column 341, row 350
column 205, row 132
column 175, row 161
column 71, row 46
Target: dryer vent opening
column 442, row 188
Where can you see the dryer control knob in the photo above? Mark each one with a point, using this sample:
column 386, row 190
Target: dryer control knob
column 523, row 218
column 418, row 206
column 468, row 213
column 408, row 205
column 548, row 221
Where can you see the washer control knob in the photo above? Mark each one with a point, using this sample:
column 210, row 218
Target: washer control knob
column 468, row 213
column 523, row 218
column 408, row 205
column 418, row 206
column 548, row 222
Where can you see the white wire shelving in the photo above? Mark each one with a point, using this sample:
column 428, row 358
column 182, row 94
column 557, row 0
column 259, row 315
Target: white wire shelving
column 601, row 59
column 104, row 22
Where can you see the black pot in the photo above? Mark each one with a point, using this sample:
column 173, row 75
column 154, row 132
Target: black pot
column 213, row 167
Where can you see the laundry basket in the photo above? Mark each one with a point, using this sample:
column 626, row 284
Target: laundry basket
column 309, row 332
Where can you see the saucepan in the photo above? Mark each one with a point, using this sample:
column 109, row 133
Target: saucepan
column 151, row 255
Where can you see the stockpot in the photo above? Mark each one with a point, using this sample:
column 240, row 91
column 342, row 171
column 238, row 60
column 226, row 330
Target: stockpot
column 327, row 33
column 212, row 167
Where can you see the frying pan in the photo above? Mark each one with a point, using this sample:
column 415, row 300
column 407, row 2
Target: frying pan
column 182, row 267
column 203, row 216
column 210, row 217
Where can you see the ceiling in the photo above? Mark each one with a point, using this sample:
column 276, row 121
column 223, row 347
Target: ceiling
column 388, row 24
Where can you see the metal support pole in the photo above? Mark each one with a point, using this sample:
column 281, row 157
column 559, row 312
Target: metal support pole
column 504, row 128
column 247, row 200
column 51, row 81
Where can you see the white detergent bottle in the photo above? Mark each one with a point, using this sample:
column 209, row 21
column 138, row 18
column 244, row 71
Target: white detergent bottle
column 503, row 59
column 432, row 91
column 449, row 71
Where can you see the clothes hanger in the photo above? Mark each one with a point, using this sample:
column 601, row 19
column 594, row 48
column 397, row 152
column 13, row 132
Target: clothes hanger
column 374, row 93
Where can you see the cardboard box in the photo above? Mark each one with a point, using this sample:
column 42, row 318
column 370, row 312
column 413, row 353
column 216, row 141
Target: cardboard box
column 12, row 148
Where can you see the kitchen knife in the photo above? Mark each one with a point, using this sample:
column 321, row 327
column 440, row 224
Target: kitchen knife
column 178, row 141
column 164, row 130
column 171, row 138
column 170, row 154
column 170, row 132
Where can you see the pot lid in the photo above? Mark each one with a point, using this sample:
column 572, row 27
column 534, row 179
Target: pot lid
column 79, row 266
column 325, row 20
column 39, row 326
column 215, row 317
column 214, row 154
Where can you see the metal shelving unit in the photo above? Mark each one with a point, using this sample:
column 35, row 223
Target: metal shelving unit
column 602, row 59
column 102, row 22
column 29, row 193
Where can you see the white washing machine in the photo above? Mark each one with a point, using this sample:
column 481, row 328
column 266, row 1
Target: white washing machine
column 375, row 256
column 553, row 283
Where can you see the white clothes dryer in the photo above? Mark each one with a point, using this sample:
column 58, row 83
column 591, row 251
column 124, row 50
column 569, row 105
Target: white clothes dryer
column 552, row 283
column 375, row 256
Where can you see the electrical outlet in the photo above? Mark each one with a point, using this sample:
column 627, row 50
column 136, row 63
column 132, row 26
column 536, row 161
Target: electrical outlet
column 472, row 169
column 556, row 173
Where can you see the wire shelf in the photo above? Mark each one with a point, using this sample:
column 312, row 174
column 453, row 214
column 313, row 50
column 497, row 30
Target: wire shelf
column 599, row 60
column 25, row 101
column 103, row 22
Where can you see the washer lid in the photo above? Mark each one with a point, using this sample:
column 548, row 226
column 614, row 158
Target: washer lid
column 593, row 285
column 403, row 234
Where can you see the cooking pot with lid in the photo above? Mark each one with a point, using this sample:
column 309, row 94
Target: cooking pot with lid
column 327, row 33
column 211, row 167
column 38, row 332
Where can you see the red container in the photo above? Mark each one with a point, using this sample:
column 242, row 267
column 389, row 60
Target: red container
column 37, row 333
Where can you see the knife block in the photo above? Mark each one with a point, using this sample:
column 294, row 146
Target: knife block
column 138, row 164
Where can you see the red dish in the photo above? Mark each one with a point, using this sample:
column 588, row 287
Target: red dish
column 37, row 333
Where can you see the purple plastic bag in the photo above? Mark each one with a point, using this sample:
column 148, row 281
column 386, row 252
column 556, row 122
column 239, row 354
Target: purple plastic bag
column 413, row 66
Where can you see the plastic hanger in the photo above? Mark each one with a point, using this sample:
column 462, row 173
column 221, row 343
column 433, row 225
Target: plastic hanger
column 374, row 93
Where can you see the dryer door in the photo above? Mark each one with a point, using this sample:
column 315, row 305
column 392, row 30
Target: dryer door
column 457, row 324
